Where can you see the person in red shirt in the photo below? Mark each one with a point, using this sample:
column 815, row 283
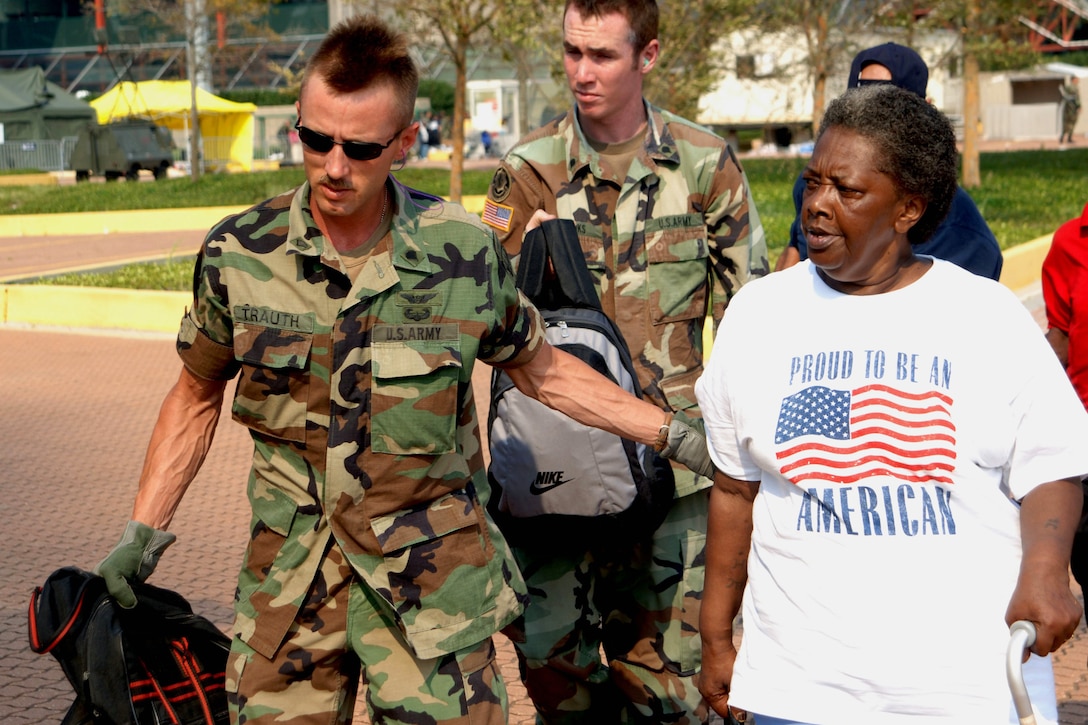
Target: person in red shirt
column 1065, row 292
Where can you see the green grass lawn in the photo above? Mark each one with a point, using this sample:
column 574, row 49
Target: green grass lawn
column 210, row 190
column 171, row 275
column 1029, row 194
column 1024, row 195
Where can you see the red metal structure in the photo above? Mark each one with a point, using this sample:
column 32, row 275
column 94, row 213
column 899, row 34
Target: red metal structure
column 100, row 24
column 1060, row 25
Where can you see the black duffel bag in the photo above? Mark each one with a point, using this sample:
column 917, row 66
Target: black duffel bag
column 155, row 663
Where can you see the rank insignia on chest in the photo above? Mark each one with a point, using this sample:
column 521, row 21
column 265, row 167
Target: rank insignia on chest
column 418, row 305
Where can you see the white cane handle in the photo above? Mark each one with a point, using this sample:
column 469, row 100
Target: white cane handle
column 1021, row 637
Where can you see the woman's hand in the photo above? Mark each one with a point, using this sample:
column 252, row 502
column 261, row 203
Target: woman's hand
column 1042, row 596
column 1048, row 519
column 716, row 674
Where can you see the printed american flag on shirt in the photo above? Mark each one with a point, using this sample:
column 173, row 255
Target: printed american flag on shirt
column 844, row 436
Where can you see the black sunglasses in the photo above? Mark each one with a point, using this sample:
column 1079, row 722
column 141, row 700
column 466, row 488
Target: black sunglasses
column 355, row 150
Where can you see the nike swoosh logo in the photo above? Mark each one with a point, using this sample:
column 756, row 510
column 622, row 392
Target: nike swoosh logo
column 538, row 489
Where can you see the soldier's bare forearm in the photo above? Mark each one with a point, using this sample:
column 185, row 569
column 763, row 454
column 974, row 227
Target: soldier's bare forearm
column 565, row 383
column 179, row 442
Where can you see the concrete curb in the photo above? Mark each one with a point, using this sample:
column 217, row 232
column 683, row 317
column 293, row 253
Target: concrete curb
column 106, row 222
column 93, row 308
column 161, row 312
column 1024, row 263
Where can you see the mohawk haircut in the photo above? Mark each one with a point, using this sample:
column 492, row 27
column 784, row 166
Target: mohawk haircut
column 361, row 52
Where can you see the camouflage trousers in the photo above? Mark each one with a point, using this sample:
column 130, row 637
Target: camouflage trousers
column 639, row 606
column 1069, row 122
column 340, row 637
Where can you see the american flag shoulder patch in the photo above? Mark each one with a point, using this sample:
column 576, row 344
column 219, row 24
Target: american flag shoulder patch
column 497, row 215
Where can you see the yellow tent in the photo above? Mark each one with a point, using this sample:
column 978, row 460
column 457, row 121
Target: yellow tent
column 226, row 127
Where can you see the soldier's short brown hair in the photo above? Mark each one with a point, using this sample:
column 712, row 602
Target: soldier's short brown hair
column 362, row 51
column 642, row 16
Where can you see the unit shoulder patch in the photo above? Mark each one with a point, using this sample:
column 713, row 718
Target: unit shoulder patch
column 500, row 185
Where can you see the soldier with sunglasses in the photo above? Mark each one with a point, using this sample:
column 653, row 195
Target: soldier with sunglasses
column 352, row 311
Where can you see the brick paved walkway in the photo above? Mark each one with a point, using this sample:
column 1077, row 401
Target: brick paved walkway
column 27, row 257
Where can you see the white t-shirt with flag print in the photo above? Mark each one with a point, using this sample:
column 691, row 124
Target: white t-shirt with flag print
column 892, row 435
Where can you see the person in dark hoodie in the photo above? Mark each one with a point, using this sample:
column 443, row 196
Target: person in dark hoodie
column 964, row 237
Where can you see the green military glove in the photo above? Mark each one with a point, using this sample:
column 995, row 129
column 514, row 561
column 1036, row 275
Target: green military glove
column 686, row 444
column 132, row 559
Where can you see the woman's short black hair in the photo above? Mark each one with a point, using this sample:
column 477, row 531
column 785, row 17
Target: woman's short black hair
column 916, row 140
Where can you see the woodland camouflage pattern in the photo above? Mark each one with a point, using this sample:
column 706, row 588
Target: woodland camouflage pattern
column 653, row 591
column 359, row 401
column 315, row 678
column 673, row 240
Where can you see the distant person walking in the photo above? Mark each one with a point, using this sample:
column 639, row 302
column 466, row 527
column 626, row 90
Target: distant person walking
column 434, row 131
column 423, row 141
column 1070, row 106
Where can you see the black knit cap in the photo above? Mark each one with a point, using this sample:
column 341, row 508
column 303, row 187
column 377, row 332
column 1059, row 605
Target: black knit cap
column 908, row 69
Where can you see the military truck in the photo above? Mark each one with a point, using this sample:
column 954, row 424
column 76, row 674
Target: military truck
column 121, row 149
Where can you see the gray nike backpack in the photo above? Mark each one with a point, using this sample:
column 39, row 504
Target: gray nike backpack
column 555, row 482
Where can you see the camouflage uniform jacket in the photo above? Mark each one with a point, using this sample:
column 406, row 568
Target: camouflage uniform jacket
column 675, row 238
column 359, row 401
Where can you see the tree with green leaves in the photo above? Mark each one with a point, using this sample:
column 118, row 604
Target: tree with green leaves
column 457, row 26
column 691, row 63
column 439, row 92
column 826, row 28
column 529, row 36
column 993, row 38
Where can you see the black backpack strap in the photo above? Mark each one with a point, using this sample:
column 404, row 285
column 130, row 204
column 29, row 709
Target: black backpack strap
column 61, row 606
column 552, row 268
column 532, row 264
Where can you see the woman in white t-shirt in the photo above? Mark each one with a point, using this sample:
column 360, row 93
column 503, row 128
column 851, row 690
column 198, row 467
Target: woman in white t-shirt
column 898, row 463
